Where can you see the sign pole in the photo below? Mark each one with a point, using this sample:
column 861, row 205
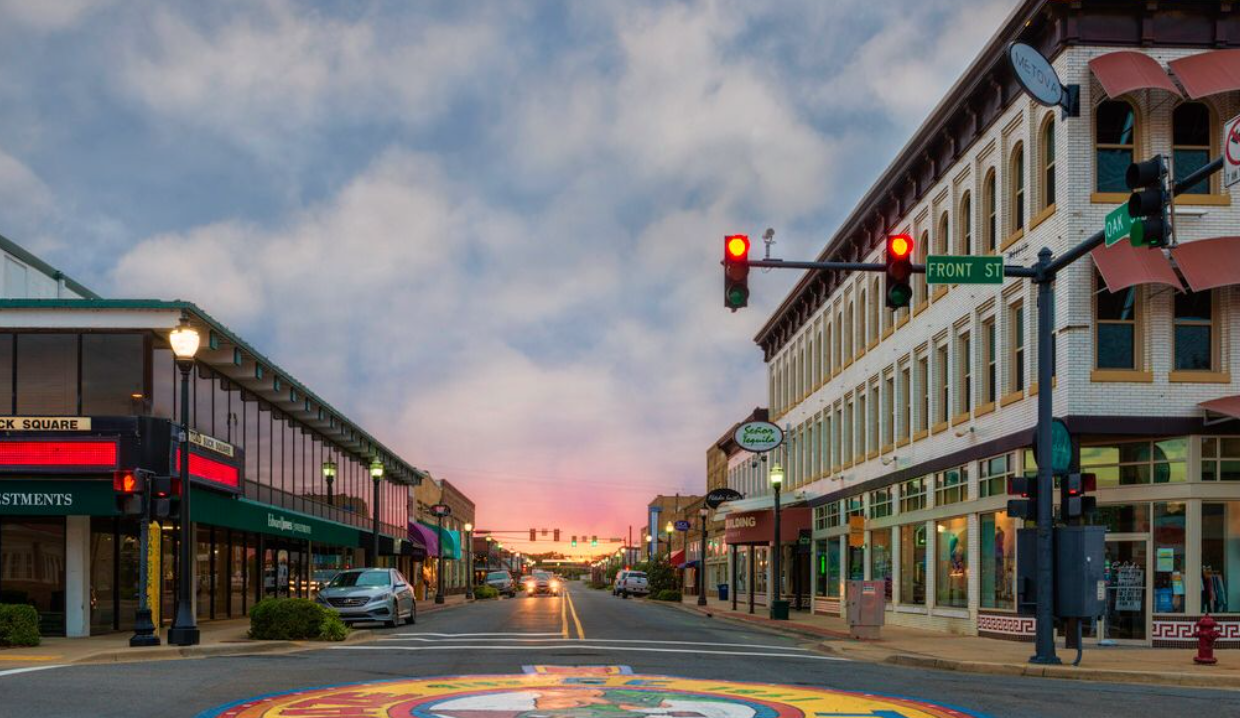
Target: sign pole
column 144, row 633
column 1044, row 639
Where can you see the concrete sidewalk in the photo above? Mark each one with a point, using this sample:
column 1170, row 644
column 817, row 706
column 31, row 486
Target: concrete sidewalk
column 930, row 649
column 218, row 638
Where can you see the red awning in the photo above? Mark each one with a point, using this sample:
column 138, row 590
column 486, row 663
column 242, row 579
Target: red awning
column 1209, row 263
column 1123, row 265
column 1208, row 73
column 1121, row 72
column 1229, row 405
column 678, row 558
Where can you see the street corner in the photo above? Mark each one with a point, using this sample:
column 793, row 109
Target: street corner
column 577, row 692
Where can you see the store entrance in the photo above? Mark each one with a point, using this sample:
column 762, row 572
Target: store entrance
column 1127, row 576
column 32, row 568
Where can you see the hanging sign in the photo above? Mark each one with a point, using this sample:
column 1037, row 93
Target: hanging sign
column 1231, row 152
column 758, row 436
column 1035, row 74
column 717, row 497
column 682, row 525
column 441, row 510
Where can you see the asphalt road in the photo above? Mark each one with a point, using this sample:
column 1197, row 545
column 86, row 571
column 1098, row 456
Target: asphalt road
column 591, row 628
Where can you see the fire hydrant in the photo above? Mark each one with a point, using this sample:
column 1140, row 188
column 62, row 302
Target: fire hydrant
column 1206, row 634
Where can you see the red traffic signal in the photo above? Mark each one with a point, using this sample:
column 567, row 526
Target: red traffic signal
column 128, row 481
column 899, row 259
column 736, row 271
column 1025, row 507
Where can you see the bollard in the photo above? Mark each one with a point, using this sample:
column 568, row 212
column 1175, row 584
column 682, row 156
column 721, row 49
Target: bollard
column 1206, row 634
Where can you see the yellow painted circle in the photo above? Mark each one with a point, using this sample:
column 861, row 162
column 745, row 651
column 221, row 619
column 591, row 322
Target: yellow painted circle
column 586, row 694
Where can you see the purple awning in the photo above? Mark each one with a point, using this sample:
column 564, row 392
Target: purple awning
column 419, row 535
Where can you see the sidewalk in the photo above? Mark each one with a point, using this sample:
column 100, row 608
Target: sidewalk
column 218, row 638
column 931, row 649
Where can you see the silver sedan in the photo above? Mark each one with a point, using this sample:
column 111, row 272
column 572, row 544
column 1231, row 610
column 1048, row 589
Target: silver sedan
column 370, row 594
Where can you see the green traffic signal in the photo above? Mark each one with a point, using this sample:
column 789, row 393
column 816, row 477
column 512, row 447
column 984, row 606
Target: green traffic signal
column 899, row 295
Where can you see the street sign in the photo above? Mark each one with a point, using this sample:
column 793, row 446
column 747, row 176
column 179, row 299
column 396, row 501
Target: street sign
column 718, row 497
column 1035, row 74
column 1231, row 152
column 758, row 436
column 1061, row 447
column 963, row 269
column 1118, row 225
column 682, row 525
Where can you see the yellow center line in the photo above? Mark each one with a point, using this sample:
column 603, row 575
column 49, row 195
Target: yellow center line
column 563, row 616
column 581, row 634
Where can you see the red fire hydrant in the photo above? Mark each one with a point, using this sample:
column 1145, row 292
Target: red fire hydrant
column 1206, row 634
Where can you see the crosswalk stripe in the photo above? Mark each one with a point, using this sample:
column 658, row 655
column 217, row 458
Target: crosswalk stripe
column 15, row 671
column 580, row 645
column 602, row 640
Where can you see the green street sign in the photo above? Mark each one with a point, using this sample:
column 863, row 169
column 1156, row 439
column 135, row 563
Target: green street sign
column 1118, row 225
column 1061, row 447
column 954, row 269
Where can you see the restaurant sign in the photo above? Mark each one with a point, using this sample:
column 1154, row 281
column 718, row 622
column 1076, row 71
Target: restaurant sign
column 758, row 436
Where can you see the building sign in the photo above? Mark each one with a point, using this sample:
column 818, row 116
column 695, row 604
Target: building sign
column 57, row 498
column 441, row 510
column 45, row 423
column 682, row 525
column 1035, row 74
column 283, row 524
column 1231, row 152
column 218, row 509
column 758, row 436
column 59, row 456
column 203, row 469
column 856, row 531
column 718, row 497
column 213, row 444
column 758, row 527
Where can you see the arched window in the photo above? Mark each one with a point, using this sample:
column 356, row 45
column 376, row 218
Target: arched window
column 991, row 207
column 1191, row 142
column 1115, row 141
column 871, row 324
column 919, row 280
column 965, row 221
column 941, row 240
column 1047, row 169
column 1017, row 168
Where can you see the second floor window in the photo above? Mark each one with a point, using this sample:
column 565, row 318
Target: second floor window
column 913, row 495
column 1191, row 134
column 1048, row 162
column 1018, row 188
column 1115, row 329
column 1115, row 132
column 1194, row 345
column 1017, row 353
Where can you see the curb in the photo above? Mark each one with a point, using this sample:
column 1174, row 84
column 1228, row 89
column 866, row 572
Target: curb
column 757, row 622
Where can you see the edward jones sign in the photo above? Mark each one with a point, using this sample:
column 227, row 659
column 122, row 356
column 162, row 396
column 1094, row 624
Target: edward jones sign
column 758, row 436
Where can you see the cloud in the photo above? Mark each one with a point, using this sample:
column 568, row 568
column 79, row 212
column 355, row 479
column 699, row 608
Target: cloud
column 26, row 198
column 46, row 15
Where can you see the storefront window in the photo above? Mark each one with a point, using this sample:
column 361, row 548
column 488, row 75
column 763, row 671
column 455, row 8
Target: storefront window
column 880, row 559
column 113, row 366
column 856, row 563
column 47, row 371
column 1137, row 462
column 952, row 564
column 1124, row 518
column 994, row 476
column 205, row 579
column 32, row 568
column 760, row 569
column 1169, row 528
column 1220, row 459
column 1220, row 557
column 102, row 574
column 913, row 564
column 6, row 373
column 834, row 570
column 820, row 573
column 998, row 570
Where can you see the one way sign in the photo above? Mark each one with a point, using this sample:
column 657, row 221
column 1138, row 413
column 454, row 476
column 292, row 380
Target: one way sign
column 1231, row 152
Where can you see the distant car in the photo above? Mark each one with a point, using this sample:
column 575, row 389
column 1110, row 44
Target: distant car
column 543, row 583
column 632, row 583
column 370, row 594
column 502, row 581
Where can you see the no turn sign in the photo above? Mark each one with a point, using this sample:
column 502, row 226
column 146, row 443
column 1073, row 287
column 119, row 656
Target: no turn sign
column 1231, row 152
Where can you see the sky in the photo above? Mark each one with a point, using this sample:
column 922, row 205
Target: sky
column 488, row 232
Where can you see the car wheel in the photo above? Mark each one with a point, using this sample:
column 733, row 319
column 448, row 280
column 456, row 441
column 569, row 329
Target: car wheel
column 413, row 615
column 395, row 621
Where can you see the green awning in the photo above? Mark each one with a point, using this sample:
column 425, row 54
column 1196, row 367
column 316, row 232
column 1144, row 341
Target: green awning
column 246, row 515
column 449, row 541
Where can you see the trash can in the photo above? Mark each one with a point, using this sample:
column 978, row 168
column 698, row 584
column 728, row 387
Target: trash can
column 723, row 591
column 779, row 610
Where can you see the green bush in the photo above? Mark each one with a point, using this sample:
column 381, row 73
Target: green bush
column 295, row 619
column 485, row 592
column 19, row 625
column 660, row 576
column 667, row 594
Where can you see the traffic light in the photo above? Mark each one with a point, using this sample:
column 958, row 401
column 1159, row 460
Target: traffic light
column 574, row 542
column 1026, row 507
column 163, row 499
column 1149, row 204
column 899, row 258
column 130, row 486
column 557, row 535
column 594, row 540
column 533, row 535
column 1073, row 502
column 736, row 271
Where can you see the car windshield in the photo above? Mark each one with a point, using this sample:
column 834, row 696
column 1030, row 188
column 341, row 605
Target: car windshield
column 362, row 578
column 496, row 576
column 635, row 574
column 541, row 576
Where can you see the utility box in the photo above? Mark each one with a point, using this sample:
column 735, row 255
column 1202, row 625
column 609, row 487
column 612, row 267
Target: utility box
column 1026, row 571
column 866, row 608
column 1080, row 575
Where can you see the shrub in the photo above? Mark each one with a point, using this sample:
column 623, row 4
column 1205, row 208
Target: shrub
column 295, row 619
column 485, row 592
column 660, row 576
column 19, row 625
column 667, row 594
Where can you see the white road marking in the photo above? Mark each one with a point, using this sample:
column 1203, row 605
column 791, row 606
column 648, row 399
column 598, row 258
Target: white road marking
column 15, row 671
column 580, row 645
column 603, row 640
column 480, row 635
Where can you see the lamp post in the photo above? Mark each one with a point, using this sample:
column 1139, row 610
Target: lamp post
column 701, row 567
column 669, row 528
column 376, row 473
column 469, row 564
column 329, row 478
column 184, row 632
column 777, row 480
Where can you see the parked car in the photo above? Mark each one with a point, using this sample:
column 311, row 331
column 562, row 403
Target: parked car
column 541, row 582
column 502, row 581
column 370, row 594
column 632, row 583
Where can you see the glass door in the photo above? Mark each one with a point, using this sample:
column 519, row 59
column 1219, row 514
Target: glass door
column 1127, row 577
column 32, row 568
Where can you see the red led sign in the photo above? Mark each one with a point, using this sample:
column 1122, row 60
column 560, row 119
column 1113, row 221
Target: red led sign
column 70, row 455
column 210, row 471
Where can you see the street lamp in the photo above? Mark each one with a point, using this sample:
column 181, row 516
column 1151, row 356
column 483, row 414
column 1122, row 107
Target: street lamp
column 469, row 542
column 184, row 632
column 777, row 481
column 329, row 478
column 701, row 568
column 670, row 527
column 376, row 473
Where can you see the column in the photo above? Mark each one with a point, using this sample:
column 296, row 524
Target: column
column 1192, row 556
column 77, row 576
column 932, row 564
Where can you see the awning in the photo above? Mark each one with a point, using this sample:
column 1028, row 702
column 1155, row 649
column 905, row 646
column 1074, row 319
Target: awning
column 758, row 527
column 1125, row 71
column 690, row 564
column 1209, row 263
column 449, row 542
column 1228, row 405
column 1208, row 73
column 678, row 558
column 425, row 537
column 1123, row 265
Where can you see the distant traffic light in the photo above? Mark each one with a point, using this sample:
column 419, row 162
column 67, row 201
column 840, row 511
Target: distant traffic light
column 1149, row 205
column 1073, row 502
column 1026, row 507
column 594, row 540
column 736, row 271
column 574, row 542
column 533, row 535
column 899, row 258
column 557, row 535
